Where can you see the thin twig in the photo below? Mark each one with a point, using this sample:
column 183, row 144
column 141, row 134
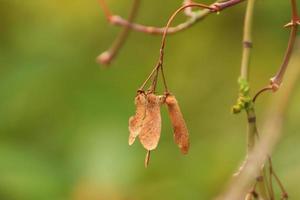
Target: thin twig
column 149, row 77
column 247, row 45
column 277, row 179
column 247, row 40
column 197, row 16
column 107, row 56
column 216, row 7
column 105, row 9
column 147, row 158
column 270, row 177
column 272, row 133
column 188, row 11
column 276, row 81
column 163, row 42
column 267, row 88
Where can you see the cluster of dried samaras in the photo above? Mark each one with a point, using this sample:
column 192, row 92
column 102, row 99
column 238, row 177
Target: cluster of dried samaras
column 146, row 123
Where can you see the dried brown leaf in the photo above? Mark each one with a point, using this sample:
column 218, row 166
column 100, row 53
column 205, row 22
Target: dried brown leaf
column 181, row 135
column 151, row 128
column 135, row 122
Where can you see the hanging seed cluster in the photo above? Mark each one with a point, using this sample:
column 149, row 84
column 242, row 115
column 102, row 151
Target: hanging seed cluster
column 146, row 123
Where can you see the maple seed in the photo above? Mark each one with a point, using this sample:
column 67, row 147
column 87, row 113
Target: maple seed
column 135, row 122
column 151, row 127
column 181, row 135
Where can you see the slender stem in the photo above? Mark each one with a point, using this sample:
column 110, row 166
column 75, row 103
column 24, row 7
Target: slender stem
column 270, row 177
column 272, row 130
column 152, row 30
column 284, row 193
column 269, row 87
column 105, row 9
column 277, row 179
column 294, row 10
column 149, row 77
column 262, row 184
column 154, row 81
column 197, row 16
column 163, row 42
column 147, row 158
column 247, row 39
column 276, row 81
column 164, row 80
column 107, row 56
column 160, row 61
column 171, row 20
column 252, row 130
column 267, row 186
column 225, row 4
column 188, row 11
column 215, row 7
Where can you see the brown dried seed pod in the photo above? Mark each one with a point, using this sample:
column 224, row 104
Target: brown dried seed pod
column 151, row 128
column 181, row 135
column 135, row 122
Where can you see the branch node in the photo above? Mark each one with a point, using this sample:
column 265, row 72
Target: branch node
column 115, row 20
column 274, row 84
column 105, row 58
column 248, row 44
column 293, row 23
column 252, row 119
column 284, row 196
column 216, row 7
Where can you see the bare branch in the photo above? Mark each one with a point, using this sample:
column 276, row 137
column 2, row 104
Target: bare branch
column 272, row 130
column 194, row 17
column 276, row 81
column 107, row 56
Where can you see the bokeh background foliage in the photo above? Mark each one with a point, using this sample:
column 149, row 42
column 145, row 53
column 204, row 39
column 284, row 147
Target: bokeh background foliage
column 63, row 120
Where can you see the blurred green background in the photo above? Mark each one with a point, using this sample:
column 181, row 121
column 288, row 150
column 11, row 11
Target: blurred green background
column 63, row 119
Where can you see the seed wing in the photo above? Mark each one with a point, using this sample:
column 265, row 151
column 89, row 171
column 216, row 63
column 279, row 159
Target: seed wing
column 151, row 128
column 135, row 122
column 181, row 135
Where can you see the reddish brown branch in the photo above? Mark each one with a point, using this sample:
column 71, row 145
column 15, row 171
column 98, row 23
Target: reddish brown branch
column 105, row 9
column 216, row 7
column 276, row 81
column 107, row 56
column 268, row 88
column 159, row 65
column 194, row 17
column 188, row 11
